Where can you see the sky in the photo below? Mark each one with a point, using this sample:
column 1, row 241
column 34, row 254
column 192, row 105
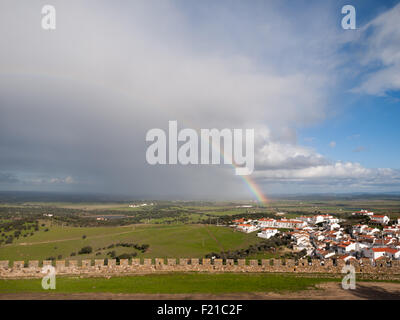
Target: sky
column 76, row 102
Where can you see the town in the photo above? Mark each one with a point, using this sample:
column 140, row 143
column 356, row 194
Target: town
column 327, row 236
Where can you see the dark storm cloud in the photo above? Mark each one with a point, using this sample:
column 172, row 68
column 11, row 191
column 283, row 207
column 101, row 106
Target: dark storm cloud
column 76, row 103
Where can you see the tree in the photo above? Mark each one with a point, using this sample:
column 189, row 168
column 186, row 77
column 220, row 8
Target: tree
column 86, row 250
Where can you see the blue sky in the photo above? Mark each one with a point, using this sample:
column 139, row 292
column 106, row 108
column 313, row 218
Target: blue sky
column 366, row 131
column 365, row 128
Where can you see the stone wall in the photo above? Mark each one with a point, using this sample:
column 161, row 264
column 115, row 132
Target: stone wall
column 98, row 267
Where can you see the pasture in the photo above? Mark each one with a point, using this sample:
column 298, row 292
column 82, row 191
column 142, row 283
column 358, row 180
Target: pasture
column 165, row 241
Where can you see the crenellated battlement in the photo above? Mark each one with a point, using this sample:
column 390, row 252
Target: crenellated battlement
column 101, row 267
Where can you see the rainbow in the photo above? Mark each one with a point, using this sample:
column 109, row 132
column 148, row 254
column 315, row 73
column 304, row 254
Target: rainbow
column 255, row 189
column 250, row 183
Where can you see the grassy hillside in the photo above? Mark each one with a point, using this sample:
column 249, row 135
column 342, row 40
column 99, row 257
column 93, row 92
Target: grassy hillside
column 164, row 240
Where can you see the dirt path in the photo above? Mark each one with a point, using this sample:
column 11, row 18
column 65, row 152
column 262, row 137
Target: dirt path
column 215, row 239
column 325, row 291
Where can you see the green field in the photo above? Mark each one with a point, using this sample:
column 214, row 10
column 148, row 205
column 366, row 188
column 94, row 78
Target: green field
column 171, row 228
column 181, row 240
column 170, row 283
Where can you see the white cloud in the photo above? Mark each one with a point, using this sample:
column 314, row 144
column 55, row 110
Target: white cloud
column 381, row 53
column 336, row 170
column 347, row 173
column 275, row 155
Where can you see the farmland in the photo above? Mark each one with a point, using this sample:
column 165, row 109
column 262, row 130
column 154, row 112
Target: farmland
column 37, row 230
column 163, row 240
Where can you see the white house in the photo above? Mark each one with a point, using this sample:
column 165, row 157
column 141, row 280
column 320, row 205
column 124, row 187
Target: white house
column 380, row 219
column 267, row 233
column 247, row 228
column 347, row 246
column 333, row 235
column 324, row 253
column 376, row 253
column 306, row 219
column 325, row 218
column 290, row 224
column 391, row 230
column 266, row 223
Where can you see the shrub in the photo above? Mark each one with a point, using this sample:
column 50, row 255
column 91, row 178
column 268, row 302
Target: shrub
column 112, row 254
column 86, row 250
column 126, row 256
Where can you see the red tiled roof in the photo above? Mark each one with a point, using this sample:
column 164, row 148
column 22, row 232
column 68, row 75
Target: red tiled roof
column 390, row 250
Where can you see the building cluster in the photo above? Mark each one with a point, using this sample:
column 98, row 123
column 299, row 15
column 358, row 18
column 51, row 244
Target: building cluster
column 324, row 236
